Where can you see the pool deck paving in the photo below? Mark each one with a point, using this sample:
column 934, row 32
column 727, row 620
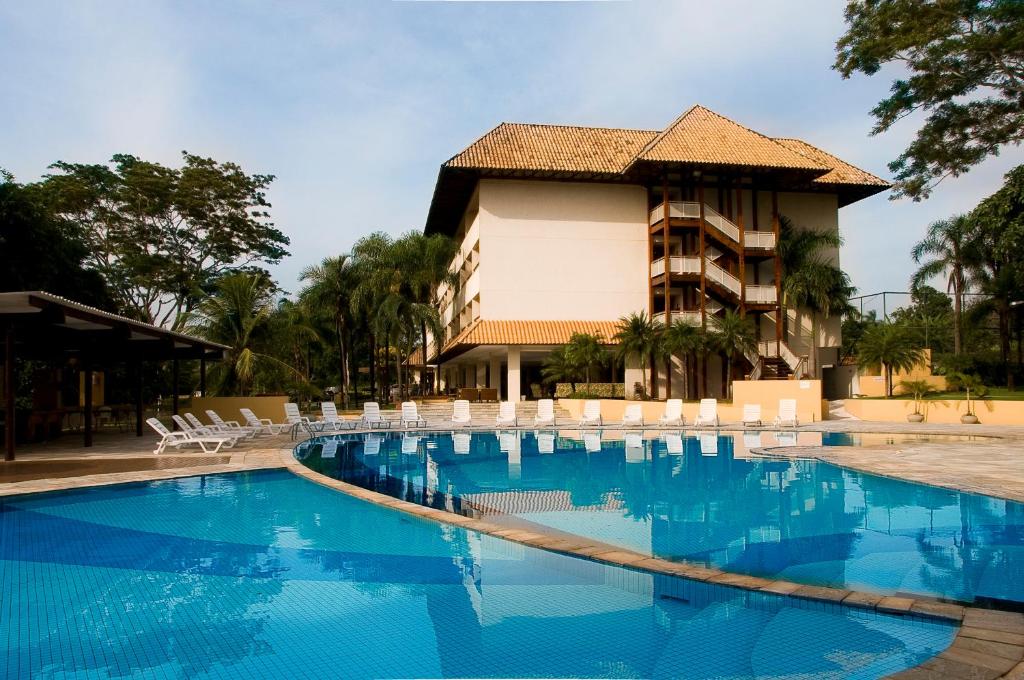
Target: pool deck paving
column 988, row 644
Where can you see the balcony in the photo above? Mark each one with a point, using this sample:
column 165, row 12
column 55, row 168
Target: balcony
column 759, row 240
column 761, row 295
column 679, row 264
column 686, row 316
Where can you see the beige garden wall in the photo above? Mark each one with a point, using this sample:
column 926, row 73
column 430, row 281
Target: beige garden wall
column 939, row 411
column 767, row 393
column 227, row 407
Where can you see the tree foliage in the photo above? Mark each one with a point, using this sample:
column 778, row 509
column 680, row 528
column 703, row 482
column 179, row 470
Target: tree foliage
column 161, row 237
column 40, row 251
column 964, row 63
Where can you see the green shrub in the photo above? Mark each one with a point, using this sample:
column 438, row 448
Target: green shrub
column 596, row 391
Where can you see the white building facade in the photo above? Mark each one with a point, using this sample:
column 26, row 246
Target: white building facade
column 567, row 229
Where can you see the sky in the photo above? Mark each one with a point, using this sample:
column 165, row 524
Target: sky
column 353, row 105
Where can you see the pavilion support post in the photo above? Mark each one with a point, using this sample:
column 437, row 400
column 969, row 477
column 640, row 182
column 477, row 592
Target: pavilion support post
column 743, row 246
column 9, row 416
column 138, row 398
column 175, row 381
column 87, row 370
column 202, row 377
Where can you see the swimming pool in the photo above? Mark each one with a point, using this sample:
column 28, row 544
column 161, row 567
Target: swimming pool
column 702, row 498
column 264, row 574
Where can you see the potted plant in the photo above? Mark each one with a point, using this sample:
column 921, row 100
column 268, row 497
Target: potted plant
column 919, row 389
column 969, row 383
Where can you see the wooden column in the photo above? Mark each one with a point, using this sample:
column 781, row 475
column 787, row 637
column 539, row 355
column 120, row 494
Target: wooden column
column 703, row 286
column 87, row 369
column 138, row 398
column 202, row 377
column 175, row 380
column 665, row 233
column 650, row 263
column 778, row 274
column 743, row 260
column 9, row 416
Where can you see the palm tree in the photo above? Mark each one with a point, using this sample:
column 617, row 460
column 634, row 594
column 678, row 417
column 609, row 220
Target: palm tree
column 733, row 335
column 891, row 347
column 429, row 258
column 637, row 338
column 330, row 286
column 944, row 250
column 237, row 315
column 560, row 366
column 809, row 279
column 681, row 338
column 587, row 352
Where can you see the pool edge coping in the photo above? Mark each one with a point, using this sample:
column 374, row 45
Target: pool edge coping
column 988, row 643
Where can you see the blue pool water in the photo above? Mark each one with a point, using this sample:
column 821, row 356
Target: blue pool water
column 702, row 499
column 265, row 574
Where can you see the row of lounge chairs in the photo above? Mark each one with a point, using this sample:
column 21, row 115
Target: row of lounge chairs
column 227, row 433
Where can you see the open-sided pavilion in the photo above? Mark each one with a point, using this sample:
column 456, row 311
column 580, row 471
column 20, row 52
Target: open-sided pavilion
column 41, row 326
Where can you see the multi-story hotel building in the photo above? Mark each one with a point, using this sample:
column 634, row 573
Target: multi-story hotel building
column 565, row 229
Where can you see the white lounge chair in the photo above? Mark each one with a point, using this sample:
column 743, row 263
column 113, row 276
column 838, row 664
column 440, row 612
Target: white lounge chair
column 545, row 413
column 709, row 444
column 752, row 415
column 331, row 420
column 507, row 441
column 295, row 419
column 634, row 446
column 787, row 414
column 188, row 424
column 707, row 413
column 179, row 439
column 673, row 413
column 266, row 424
column 330, row 449
column 592, row 442
column 371, row 416
column 545, row 442
column 633, row 416
column 673, row 444
column 231, row 427
column 410, row 445
column 506, row 415
column 371, row 445
column 786, row 438
column 411, row 416
column 460, row 414
column 461, row 442
column 591, row 413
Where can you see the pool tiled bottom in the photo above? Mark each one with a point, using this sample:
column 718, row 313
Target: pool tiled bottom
column 267, row 575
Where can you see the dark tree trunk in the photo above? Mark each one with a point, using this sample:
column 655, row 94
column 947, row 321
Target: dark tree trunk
column 423, row 366
column 654, row 376
column 373, row 367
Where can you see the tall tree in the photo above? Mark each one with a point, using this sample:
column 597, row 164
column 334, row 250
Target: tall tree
column 810, row 280
column 162, row 237
column 329, row 287
column 429, row 257
column 238, row 315
column 637, row 337
column 682, row 339
column 40, row 251
column 734, row 336
column 888, row 345
column 965, row 71
column 945, row 251
column 586, row 351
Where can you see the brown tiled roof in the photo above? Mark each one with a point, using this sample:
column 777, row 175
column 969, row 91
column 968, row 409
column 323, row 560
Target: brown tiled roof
column 554, row 148
column 704, row 137
column 492, row 332
column 841, row 172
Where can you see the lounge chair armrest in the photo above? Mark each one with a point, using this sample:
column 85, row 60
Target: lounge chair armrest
column 265, row 421
column 232, row 423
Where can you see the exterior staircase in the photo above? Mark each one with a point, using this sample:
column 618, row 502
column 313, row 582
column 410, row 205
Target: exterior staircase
column 775, row 368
